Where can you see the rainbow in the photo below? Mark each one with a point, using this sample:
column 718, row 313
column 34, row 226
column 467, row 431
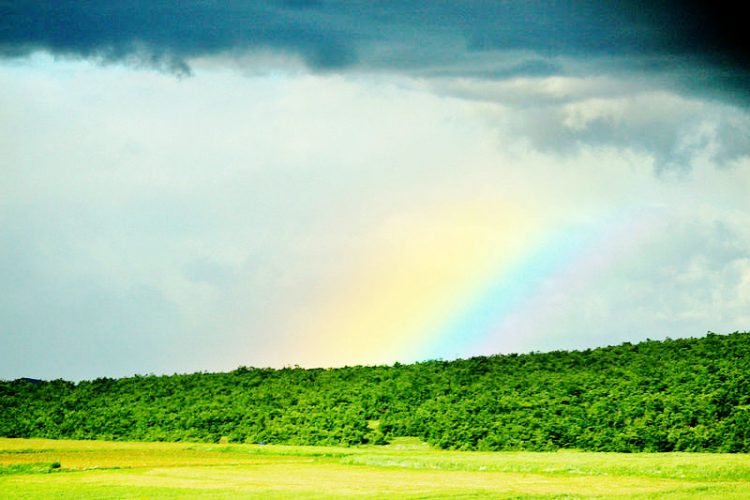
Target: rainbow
column 458, row 282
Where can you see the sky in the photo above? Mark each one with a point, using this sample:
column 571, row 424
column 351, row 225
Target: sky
column 196, row 186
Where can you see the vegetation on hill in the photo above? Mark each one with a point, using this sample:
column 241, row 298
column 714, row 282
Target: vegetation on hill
column 672, row 395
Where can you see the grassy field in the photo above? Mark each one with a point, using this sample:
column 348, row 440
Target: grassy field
column 40, row 468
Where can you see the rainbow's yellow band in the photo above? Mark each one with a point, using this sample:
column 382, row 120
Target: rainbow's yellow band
column 435, row 284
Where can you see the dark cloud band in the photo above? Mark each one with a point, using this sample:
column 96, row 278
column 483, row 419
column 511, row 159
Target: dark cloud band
column 405, row 35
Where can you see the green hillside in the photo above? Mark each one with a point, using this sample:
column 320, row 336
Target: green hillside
column 672, row 395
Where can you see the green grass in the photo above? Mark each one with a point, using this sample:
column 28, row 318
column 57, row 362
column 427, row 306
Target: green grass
column 6, row 470
column 404, row 469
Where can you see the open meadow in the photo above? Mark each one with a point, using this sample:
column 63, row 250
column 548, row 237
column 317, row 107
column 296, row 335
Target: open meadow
column 42, row 468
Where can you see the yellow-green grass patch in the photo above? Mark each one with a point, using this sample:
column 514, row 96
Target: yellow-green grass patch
column 98, row 469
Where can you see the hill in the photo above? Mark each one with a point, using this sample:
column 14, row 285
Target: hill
column 672, row 395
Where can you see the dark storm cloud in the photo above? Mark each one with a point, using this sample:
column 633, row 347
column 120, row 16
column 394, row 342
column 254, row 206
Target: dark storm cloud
column 168, row 33
column 400, row 34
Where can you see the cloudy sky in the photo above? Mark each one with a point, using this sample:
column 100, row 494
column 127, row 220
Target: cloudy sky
column 190, row 186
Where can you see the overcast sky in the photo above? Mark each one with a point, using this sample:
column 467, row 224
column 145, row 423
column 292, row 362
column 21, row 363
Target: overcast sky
column 190, row 186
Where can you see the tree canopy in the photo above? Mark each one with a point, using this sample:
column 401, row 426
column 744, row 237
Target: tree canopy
column 671, row 395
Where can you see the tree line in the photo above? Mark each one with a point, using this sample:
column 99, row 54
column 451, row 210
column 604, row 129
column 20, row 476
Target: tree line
column 671, row 395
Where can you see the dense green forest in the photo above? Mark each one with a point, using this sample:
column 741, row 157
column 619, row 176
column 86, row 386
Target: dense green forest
column 672, row 395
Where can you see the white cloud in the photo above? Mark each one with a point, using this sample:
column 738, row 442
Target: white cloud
column 205, row 212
